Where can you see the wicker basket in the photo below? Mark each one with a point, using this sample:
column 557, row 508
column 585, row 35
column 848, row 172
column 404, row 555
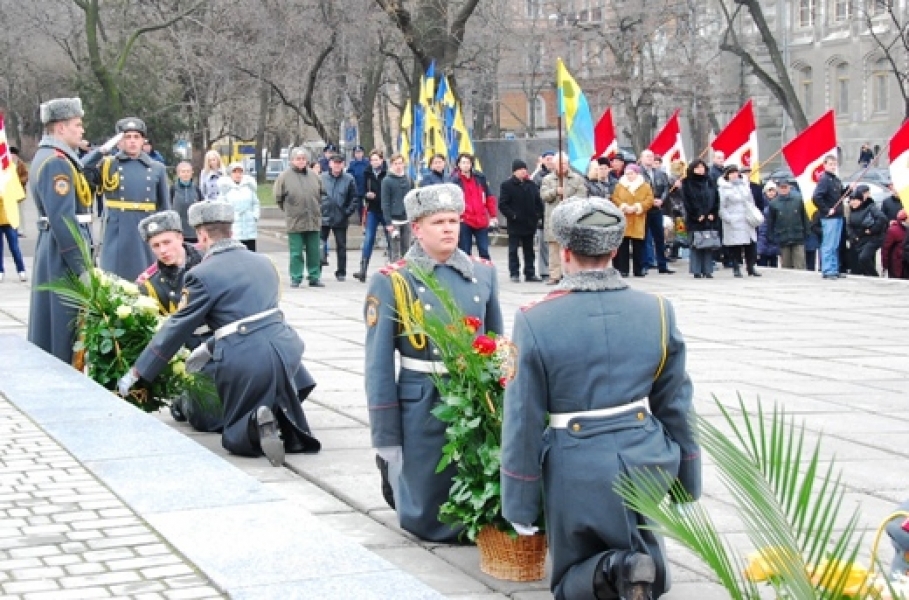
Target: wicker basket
column 513, row 559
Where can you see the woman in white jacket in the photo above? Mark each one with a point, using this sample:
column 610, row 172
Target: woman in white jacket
column 240, row 190
column 739, row 236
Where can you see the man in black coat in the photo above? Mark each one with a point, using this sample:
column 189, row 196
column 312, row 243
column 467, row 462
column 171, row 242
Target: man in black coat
column 827, row 198
column 520, row 202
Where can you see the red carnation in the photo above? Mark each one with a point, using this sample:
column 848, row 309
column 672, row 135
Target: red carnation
column 485, row 346
column 473, row 324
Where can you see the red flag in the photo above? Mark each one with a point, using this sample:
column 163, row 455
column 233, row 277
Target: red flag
column 668, row 142
column 738, row 141
column 5, row 160
column 899, row 162
column 806, row 152
column 605, row 142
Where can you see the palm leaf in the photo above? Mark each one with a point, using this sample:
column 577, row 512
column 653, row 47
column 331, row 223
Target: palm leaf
column 787, row 501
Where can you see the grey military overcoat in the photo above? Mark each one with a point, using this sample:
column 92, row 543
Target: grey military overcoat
column 400, row 406
column 143, row 182
column 258, row 365
column 56, row 177
column 594, row 344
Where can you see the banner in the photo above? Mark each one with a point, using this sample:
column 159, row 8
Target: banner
column 574, row 109
column 668, row 142
column 605, row 141
column 899, row 162
column 806, row 152
column 738, row 141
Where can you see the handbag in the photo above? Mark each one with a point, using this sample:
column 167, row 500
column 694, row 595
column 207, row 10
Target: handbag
column 753, row 216
column 705, row 240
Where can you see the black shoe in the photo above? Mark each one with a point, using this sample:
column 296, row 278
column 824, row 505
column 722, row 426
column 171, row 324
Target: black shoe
column 753, row 272
column 630, row 574
column 641, row 274
column 269, row 440
column 176, row 412
column 296, row 441
column 387, row 491
column 316, row 283
column 736, row 271
column 666, row 271
column 533, row 279
column 294, row 284
column 515, row 279
column 698, row 276
column 708, row 275
column 841, row 275
column 341, row 278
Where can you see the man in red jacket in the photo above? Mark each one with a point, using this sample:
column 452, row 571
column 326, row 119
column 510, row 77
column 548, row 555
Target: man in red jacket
column 479, row 207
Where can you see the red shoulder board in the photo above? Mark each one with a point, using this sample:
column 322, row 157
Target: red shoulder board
column 481, row 260
column 60, row 153
column 389, row 269
column 147, row 274
column 549, row 296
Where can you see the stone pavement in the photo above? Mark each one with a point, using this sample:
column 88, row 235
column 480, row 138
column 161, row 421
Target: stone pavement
column 832, row 352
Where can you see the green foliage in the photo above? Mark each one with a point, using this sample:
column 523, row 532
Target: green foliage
column 115, row 325
column 788, row 502
column 471, row 405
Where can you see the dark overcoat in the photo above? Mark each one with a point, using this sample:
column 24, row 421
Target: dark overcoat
column 63, row 199
column 400, row 401
column 594, row 344
column 230, row 284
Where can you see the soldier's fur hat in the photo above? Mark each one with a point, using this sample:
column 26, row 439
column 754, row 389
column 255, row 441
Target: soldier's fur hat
column 167, row 220
column 61, row 109
column 211, row 211
column 131, row 124
column 588, row 226
column 446, row 197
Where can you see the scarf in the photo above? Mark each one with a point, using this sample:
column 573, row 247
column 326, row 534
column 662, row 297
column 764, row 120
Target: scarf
column 593, row 281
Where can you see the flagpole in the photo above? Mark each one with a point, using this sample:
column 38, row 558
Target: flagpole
column 559, row 158
column 763, row 164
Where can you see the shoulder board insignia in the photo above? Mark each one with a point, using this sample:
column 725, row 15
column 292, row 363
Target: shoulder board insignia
column 481, row 260
column 60, row 153
column 389, row 269
column 147, row 274
column 549, row 296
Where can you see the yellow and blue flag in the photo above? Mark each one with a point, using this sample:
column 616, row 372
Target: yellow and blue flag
column 578, row 122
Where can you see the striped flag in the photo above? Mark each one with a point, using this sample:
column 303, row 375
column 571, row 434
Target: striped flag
column 899, row 162
column 806, row 152
column 578, row 122
column 668, row 142
column 738, row 141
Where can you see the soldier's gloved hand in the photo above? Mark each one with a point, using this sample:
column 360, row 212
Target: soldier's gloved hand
column 522, row 529
column 107, row 146
column 686, row 510
column 127, row 381
column 198, row 358
column 391, row 454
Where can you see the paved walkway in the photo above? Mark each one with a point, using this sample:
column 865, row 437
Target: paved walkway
column 832, row 352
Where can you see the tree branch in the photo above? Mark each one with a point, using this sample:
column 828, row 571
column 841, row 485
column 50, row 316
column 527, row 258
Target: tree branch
column 134, row 37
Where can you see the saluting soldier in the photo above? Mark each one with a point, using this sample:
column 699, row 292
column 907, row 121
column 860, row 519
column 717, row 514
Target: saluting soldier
column 254, row 357
column 406, row 435
column 64, row 199
column 134, row 186
column 622, row 404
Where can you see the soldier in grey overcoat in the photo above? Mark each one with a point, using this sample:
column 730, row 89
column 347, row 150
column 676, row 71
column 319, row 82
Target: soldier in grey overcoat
column 605, row 364
column 64, row 199
column 235, row 292
column 407, row 437
column 134, row 186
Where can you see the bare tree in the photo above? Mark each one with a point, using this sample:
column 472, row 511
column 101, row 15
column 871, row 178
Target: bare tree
column 776, row 77
column 888, row 24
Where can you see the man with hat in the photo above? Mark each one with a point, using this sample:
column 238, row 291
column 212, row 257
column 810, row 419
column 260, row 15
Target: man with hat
column 134, row 186
column 544, row 168
column 561, row 183
column 64, row 200
column 163, row 282
column 357, row 168
column 788, row 225
column 520, row 202
column 617, row 165
column 327, row 152
column 406, row 435
column 574, row 421
column 235, row 293
column 339, row 202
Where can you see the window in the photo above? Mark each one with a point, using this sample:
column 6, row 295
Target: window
column 534, row 8
column 841, row 89
column 875, row 7
column 806, row 13
column 536, row 112
column 880, row 85
column 806, row 89
column 842, row 10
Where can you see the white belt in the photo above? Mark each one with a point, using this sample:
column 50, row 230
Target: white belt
column 424, row 366
column 231, row 328
column 84, row 219
column 561, row 420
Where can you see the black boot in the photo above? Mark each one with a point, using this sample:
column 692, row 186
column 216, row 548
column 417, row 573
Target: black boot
column 263, row 430
column 361, row 274
column 736, row 271
column 630, row 575
column 297, row 440
column 324, row 258
column 753, row 272
column 387, row 491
